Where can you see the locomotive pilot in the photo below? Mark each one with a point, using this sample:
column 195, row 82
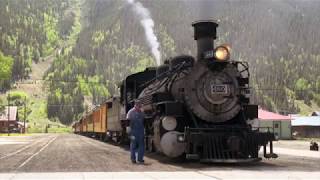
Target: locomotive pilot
column 136, row 119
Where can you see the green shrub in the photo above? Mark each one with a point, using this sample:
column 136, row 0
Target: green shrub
column 36, row 130
column 60, row 130
column 17, row 96
column 316, row 98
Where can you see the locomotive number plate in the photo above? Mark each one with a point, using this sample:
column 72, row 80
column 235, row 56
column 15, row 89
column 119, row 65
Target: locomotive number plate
column 208, row 54
column 219, row 89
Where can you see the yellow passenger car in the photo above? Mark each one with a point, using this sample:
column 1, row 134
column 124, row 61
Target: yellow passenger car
column 104, row 122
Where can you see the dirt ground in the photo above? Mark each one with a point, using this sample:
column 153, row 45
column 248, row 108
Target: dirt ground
column 75, row 153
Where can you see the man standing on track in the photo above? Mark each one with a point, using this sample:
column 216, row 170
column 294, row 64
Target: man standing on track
column 136, row 118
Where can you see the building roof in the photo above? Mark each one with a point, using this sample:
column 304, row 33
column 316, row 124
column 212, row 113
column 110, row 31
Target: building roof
column 267, row 115
column 13, row 114
column 306, row 121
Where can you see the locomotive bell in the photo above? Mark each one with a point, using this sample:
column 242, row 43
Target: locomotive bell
column 205, row 32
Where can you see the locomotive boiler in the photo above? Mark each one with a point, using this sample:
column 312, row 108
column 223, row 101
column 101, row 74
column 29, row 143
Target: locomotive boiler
column 199, row 108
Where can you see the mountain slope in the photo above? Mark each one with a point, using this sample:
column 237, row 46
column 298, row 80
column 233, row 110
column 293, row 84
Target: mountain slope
column 105, row 42
column 32, row 33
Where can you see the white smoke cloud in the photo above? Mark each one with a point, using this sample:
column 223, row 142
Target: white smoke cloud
column 148, row 25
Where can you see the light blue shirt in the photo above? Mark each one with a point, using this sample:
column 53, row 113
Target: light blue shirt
column 136, row 119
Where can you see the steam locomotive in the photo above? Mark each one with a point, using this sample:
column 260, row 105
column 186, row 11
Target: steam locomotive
column 196, row 108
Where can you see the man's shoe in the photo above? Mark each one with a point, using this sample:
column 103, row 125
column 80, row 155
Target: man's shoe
column 141, row 162
column 133, row 161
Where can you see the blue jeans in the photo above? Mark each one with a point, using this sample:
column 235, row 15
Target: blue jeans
column 137, row 146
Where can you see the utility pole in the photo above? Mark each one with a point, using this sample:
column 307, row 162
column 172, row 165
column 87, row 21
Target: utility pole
column 25, row 115
column 8, row 114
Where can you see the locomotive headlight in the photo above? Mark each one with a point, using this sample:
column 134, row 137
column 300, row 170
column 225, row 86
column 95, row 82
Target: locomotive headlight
column 222, row 53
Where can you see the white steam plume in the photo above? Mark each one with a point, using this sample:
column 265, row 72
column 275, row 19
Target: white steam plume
column 147, row 24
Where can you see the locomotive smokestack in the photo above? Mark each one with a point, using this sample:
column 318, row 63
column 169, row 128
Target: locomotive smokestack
column 205, row 33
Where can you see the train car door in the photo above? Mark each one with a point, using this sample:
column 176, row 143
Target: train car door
column 277, row 128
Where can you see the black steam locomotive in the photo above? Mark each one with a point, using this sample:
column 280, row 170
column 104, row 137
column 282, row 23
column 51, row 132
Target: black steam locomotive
column 199, row 107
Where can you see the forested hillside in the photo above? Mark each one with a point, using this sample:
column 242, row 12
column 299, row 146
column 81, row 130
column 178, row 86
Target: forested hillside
column 29, row 30
column 103, row 41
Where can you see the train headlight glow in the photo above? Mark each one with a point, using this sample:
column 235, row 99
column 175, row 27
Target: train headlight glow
column 222, row 53
column 181, row 138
